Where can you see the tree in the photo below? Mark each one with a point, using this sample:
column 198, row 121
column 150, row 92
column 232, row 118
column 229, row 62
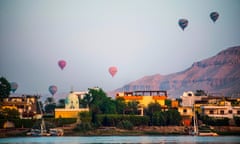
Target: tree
column 49, row 108
column 99, row 103
column 120, row 105
column 174, row 117
column 5, row 88
column 50, row 100
column 166, row 118
column 8, row 113
column 50, row 105
column 87, row 100
column 132, row 107
column 151, row 109
column 61, row 103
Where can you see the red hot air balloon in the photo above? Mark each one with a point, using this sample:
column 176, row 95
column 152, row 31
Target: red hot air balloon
column 62, row 64
column 52, row 89
column 112, row 70
column 14, row 86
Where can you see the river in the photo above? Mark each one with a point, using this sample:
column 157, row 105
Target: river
column 123, row 139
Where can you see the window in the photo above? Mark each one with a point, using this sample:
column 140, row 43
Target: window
column 184, row 110
column 238, row 112
column 230, row 111
column 211, row 112
column 221, row 111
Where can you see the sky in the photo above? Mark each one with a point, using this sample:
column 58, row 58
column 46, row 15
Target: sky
column 139, row 37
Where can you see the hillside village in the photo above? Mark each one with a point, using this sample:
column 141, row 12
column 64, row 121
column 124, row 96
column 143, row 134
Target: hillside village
column 152, row 108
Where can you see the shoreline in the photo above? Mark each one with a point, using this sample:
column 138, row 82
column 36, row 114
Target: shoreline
column 136, row 131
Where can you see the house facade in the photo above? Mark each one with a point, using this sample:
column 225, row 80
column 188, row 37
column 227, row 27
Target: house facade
column 27, row 105
column 223, row 109
column 144, row 97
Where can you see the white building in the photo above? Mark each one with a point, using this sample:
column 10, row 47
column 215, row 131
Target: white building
column 189, row 98
column 221, row 110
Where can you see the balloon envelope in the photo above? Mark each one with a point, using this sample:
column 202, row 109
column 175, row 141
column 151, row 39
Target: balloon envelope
column 62, row 64
column 14, row 86
column 52, row 89
column 183, row 23
column 214, row 16
column 112, row 70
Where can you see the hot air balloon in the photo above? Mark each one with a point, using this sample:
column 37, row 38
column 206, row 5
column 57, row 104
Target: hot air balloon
column 14, row 86
column 62, row 64
column 112, row 70
column 52, row 89
column 214, row 16
column 183, row 23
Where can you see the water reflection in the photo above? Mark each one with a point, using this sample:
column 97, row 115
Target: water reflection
column 124, row 139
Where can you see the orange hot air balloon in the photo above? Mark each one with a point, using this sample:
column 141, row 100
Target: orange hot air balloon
column 112, row 70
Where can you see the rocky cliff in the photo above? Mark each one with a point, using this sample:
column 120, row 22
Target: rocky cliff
column 218, row 74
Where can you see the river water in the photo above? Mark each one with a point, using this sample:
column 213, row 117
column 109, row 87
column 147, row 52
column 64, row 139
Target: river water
column 123, row 139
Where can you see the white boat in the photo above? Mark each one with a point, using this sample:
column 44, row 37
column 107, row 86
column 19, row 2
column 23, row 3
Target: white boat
column 56, row 132
column 43, row 131
column 39, row 132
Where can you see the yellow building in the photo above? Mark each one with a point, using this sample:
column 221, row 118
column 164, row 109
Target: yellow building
column 69, row 113
column 144, row 97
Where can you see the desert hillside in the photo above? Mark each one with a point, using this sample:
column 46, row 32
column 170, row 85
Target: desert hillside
column 218, row 74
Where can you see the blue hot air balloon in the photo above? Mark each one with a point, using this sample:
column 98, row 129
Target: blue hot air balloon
column 52, row 89
column 183, row 23
column 214, row 16
column 14, row 86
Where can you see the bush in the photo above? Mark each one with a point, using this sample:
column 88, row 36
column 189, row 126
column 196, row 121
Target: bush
column 215, row 121
column 237, row 120
column 19, row 123
column 125, row 124
column 115, row 119
column 83, row 127
column 85, row 117
column 166, row 118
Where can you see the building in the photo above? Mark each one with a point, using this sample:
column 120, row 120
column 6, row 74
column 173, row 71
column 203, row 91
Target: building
column 72, row 108
column 189, row 99
column 212, row 106
column 222, row 109
column 186, row 114
column 144, row 97
column 27, row 105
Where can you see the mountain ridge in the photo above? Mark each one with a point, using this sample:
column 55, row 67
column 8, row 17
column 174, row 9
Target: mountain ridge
column 217, row 74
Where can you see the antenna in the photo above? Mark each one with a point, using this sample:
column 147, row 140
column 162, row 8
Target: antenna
column 71, row 89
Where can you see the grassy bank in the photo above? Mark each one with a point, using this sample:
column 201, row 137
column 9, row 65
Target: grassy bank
column 136, row 131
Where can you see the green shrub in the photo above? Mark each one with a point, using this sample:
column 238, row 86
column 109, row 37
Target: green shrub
column 165, row 118
column 115, row 119
column 83, row 127
column 215, row 121
column 125, row 124
column 237, row 120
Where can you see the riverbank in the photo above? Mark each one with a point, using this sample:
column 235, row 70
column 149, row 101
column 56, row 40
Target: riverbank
column 150, row 130
column 136, row 131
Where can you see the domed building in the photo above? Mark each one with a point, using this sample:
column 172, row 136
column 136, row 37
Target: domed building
column 71, row 109
column 72, row 102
